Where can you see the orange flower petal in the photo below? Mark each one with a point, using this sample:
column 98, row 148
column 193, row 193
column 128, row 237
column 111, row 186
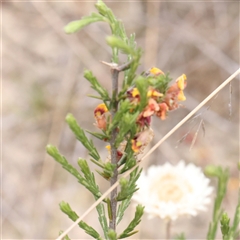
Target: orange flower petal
column 151, row 108
column 162, row 113
column 148, row 113
column 101, row 122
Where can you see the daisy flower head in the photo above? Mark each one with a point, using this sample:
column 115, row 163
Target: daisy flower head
column 169, row 191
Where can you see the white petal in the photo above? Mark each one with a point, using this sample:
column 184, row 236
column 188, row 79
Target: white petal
column 169, row 191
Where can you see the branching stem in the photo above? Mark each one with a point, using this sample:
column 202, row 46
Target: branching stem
column 114, row 179
column 115, row 69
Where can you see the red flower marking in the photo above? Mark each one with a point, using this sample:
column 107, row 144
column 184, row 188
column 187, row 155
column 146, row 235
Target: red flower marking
column 100, row 116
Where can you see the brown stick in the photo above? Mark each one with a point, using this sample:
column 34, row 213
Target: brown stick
column 114, row 179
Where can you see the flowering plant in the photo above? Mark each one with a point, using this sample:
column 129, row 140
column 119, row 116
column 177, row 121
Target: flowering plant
column 171, row 191
column 123, row 119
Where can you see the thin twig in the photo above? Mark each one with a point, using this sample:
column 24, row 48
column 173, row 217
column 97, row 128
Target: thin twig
column 196, row 134
column 124, row 66
column 115, row 66
column 151, row 151
column 183, row 138
column 168, row 229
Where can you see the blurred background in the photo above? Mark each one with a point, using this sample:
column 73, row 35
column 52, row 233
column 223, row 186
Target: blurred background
column 43, row 81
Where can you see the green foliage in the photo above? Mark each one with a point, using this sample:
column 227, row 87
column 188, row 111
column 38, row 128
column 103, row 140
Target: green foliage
column 90, row 231
column 225, row 225
column 53, row 151
column 116, row 26
column 97, row 86
column 130, row 162
column 80, row 135
column 118, row 43
column 132, row 185
column 125, row 190
column 89, row 179
column 137, row 219
column 102, row 218
column 108, row 170
column 127, row 125
column 122, row 122
column 180, row 237
column 130, row 74
column 75, row 26
column 122, row 208
column 102, row 136
column 65, row 207
column 128, row 187
column 122, row 160
column 66, row 237
column 124, row 108
column 112, row 235
column 142, row 86
column 230, row 232
column 160, row 82
column 235, row 230
column 222, row 176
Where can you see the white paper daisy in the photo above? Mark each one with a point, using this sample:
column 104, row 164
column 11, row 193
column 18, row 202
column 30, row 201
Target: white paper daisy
column 170, row 191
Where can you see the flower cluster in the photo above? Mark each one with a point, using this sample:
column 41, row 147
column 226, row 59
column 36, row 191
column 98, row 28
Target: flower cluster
column 158, row 104
column 170, row 191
